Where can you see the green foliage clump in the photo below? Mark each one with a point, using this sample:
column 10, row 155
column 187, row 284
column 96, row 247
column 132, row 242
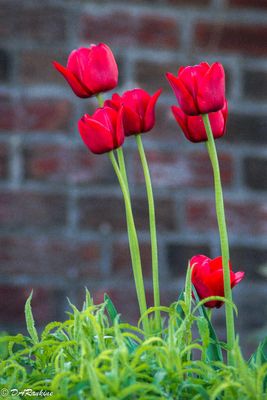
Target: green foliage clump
column 93, row 355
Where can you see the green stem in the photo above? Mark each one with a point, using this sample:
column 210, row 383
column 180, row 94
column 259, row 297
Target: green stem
column 230, row 328
column 100, row 99
column 123, row 168
column 134, row 246
column 153, row 231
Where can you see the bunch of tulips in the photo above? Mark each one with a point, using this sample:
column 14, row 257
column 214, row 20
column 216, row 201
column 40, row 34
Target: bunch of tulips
column 201, row 114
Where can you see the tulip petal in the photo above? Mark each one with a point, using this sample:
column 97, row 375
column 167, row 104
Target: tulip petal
column 218, row 124
column 181, row 119
column 95, row 136
column 78, row 61
column 196, row 129
column 149, row 120
column 115, row 102
column 107, row 116
column 237, row 278
column 119, row 129
column 78, row 88
column 101, row 73
column 211, row 90
column 131, row 121
column 200, row 267
column 182, row 94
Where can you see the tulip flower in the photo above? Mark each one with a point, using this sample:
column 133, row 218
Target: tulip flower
column 90, row 71
column 207, row 277
column 139, row 110
column 199, row 89
column 103, row 131
column 193, row 125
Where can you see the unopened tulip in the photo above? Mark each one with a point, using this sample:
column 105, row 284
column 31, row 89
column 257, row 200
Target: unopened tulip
column 138, row 110
column 207, row 277
column 193, row 125
column 199, row 89
column 103, row 131
column 90, row 71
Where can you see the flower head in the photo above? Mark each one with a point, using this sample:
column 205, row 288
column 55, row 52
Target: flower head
column 207, row 277
column 193, row 126
column 139, row 110
column 199, row 89
column 90, row 70
column 103, row 131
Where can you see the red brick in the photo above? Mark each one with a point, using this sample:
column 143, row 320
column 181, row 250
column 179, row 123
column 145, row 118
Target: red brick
column 64, row 164
column 179, row 255
column 246, row 128
column 3, row 161
column 116, row 28
column 35, row 66
column 243, row 217
column 49, row 257
column 7, row 115
column 247, row 3
column 150, row 75
column 182, row 170
column 255, row 84
column 42, row 24
column 161, row 32
column 88, row 168
column 121, row 260
column 47, row 162
column 187, row 3
column 246, row 39
column 174, row 3
column 45, row 114
column 166, row 128
column 107, row 211
column 255, row 172
column 5, row 65
column 21, row 210
column 45, row 304
column 124, row 298
column 250, row 259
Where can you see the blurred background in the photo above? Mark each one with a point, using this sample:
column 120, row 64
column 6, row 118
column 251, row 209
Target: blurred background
column 62, row 224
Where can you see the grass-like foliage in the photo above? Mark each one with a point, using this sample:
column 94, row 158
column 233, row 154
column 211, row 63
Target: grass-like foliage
column 94, row 355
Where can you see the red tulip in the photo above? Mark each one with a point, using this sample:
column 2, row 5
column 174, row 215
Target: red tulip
column 90, row 70
column 207, row 277
column 199, row 89
column 138, row 110
column 193, row 126
column 103, row 131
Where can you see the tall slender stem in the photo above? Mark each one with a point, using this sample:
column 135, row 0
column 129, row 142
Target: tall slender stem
column 123, row 168
column 153, row 231
column 230, row 328
column 134, row 245
column 100, row 99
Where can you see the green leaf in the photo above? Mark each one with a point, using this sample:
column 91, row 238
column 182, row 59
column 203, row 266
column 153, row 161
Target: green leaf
column 114, row 316
column 111, row 309
column 214, row 351
column 30, row 321
column 179, row 308
column 259, row 357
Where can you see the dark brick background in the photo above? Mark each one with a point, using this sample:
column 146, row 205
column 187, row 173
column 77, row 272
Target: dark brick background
column 62, row 223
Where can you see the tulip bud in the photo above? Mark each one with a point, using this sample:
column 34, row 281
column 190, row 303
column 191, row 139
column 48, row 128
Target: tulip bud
column 90, row 71
column 207, row 277
column 103, row 131
column 138, row 110
column 199, row 89
column 193, row 126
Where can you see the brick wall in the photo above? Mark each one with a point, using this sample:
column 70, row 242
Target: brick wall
column 61, row 212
